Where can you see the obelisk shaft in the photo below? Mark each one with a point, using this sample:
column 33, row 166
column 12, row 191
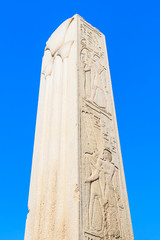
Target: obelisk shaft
column 77, row 188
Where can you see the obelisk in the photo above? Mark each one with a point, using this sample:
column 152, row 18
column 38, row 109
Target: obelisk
column 77, row 188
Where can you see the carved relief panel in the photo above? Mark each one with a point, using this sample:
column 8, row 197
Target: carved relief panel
column 102, row 206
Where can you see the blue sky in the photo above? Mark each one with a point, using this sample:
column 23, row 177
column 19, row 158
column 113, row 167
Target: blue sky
column 132, row 30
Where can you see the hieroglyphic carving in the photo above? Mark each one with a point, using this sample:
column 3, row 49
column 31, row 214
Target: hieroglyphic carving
column 100, row 173
column 95, row 87
column 91, row 237
column 103, row 208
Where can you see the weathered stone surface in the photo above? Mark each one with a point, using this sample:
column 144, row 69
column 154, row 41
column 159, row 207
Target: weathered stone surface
column 77, row 188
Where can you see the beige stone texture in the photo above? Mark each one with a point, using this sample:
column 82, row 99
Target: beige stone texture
column 77, row 188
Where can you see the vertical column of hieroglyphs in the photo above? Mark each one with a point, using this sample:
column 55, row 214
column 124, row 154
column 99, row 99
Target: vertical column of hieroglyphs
column 104, row 204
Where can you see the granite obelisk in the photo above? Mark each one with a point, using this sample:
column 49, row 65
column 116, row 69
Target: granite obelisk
column 77, row 188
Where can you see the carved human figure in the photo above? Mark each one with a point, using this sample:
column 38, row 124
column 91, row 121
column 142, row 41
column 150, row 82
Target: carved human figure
column 103, row 192
column 95, row 201
column 86, row 60
column 98, row 75
column 94, row 78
